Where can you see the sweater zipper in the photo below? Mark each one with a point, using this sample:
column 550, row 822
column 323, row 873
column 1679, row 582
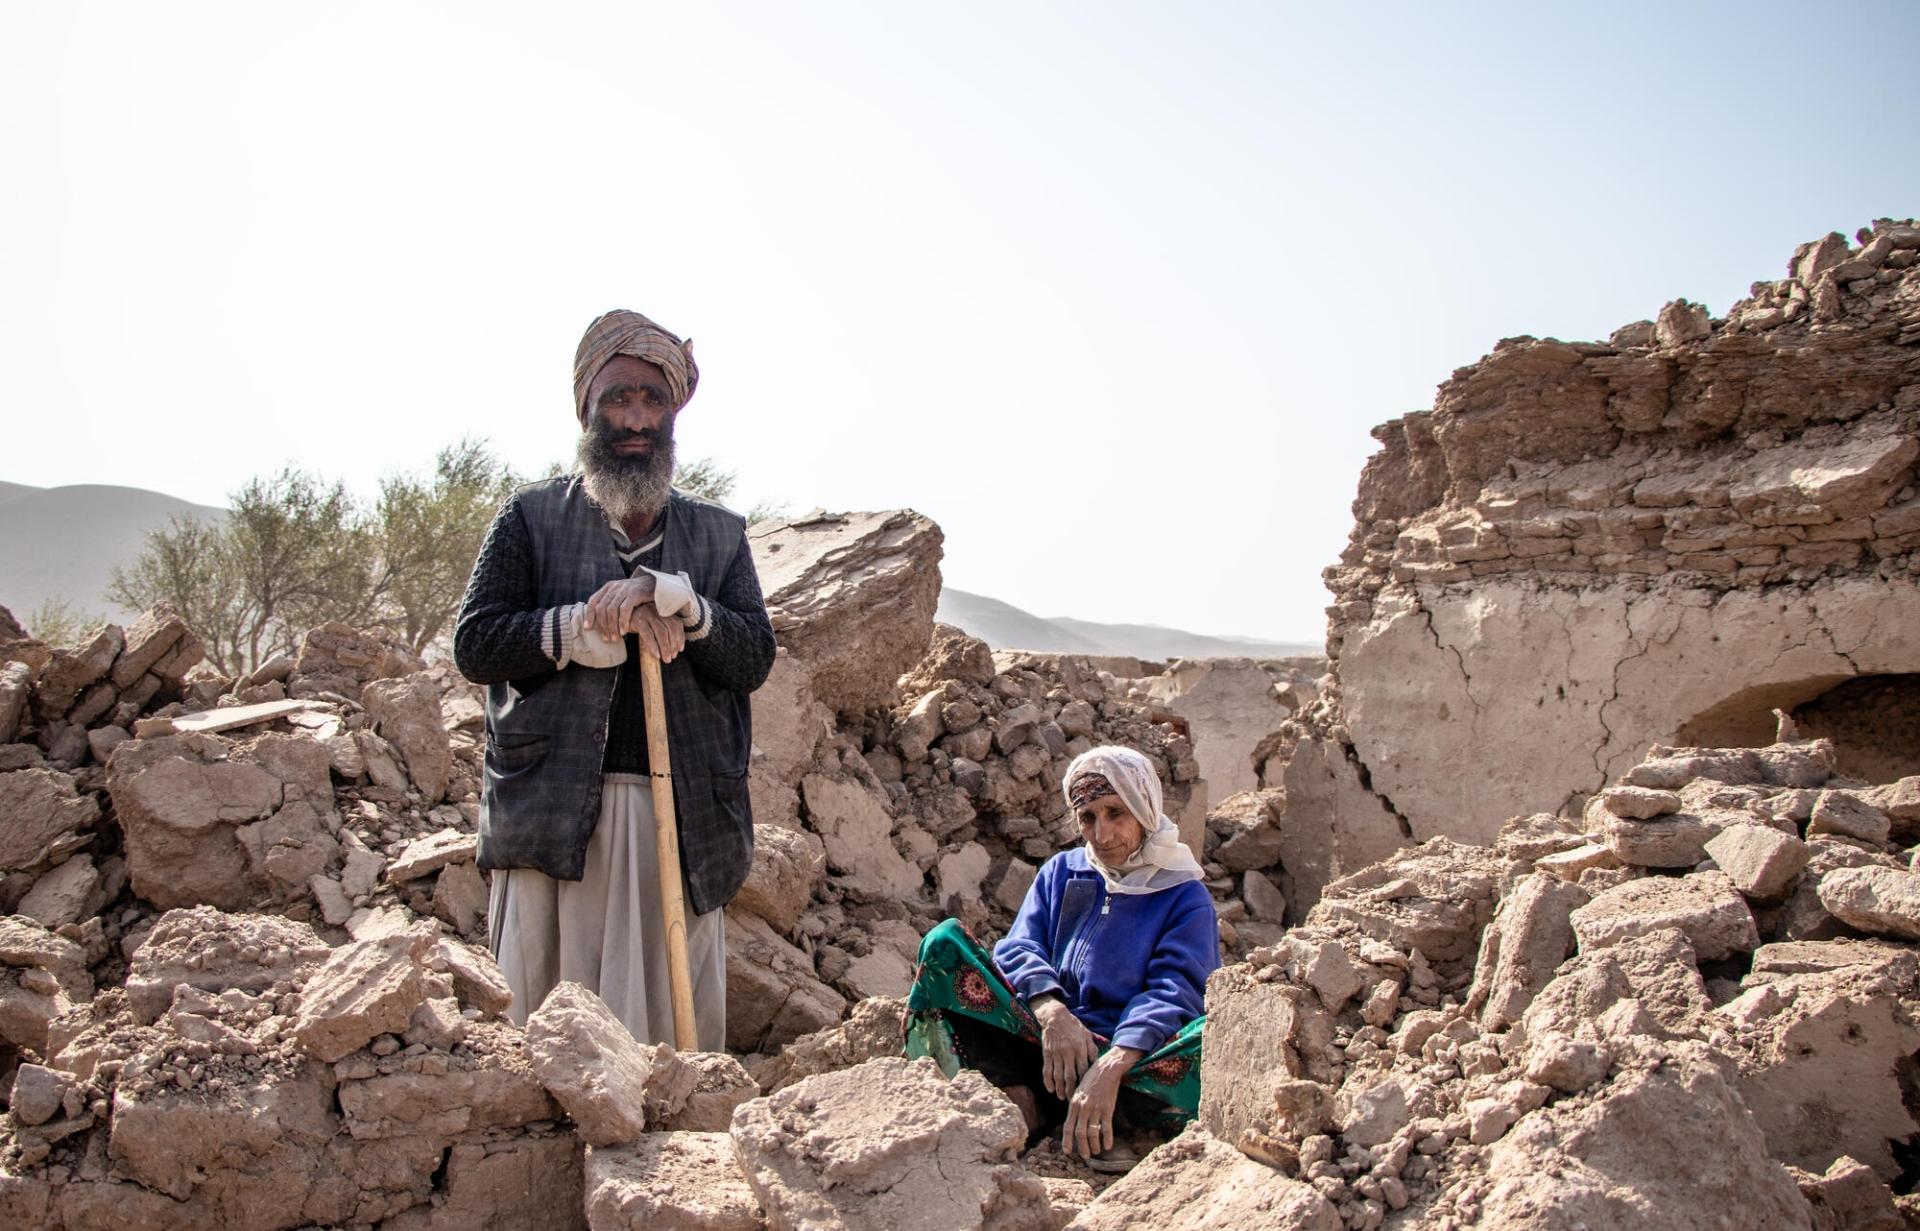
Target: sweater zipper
column 1086, row 940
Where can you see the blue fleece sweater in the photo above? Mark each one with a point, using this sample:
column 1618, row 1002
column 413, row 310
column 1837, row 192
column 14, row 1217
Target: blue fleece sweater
column 1132, row 966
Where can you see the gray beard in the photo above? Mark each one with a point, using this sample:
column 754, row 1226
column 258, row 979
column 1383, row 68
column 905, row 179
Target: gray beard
column 628, row 488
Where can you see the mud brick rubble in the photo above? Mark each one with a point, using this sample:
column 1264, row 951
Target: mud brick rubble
column 1668, row 982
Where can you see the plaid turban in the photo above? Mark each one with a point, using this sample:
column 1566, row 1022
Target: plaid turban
column 628, row 333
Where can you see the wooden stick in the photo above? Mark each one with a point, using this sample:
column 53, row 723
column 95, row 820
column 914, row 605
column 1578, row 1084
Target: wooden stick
column 673, row 905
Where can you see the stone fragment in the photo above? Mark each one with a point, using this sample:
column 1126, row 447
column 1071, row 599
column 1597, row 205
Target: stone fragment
column 959, row 872
column 1630, row 1156
column 1249, row 828
column 42, row 818
column 1759, row 860
column 76, row 668
column 922, row 725
column 1849, row 1197
column 16, row 686
column 1821, row 1065
column 886, row 1145
column 788, row 865
column 460, row 896
column 1569, row 864
column 670, row 1181
column 1010, row 891
column 364, row 988
column 1322, row 965
column 854, row 824
column 38, row 1093
column 1519, row 952
column 1568, row 1065
column 773, row 996
column 477, row 980
column 1681, row 322
column 148, row 640
column 870, row 1031
column 721, row 1084
column 340, row 659
column 1434, row 897
column 208, row 949
column 1845, row 814
column 1198, row 1182
column 610, row 1083
column 853, row 596
column 62, row 896
column 1370, row 1109
column 1263, row 898
column 1259, row 1034
column 406, row 713
column 1704, row 906
column 1883, row 901
column 1639, row 803
column 429, row 854
column 179, row 802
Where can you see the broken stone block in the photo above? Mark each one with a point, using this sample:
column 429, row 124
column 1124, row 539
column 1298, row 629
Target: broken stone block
column 1259, row 1034
column 76, row 668
column 1198, row 1182
column 1821, row 1072
column 460, row 896
column 851, row 595
column 788, row 865
column 870, row 1031
column 38, row 1094
column 1010, row 891
column 1884, row 901
column 1639, row 803
column 436, row 1023
column 406, row 713
column 1704, row 906
column 1760, row 861
column 16, row 686
column 1629, row 1156
column 477, row 980
column 853, row 822
column 721, row 1084
column 1434, row 897
column 364, row 988
column 1525, row 944
column 1654, row 973
column 1569, row 864
column 1568, row 1065
column 342, row 660
column 773, row 996
column 178, row 800
column 890, row 1144
column 148, row 640
column 1849, row 1197
column 63, row 895
column 424, row 856
column 670, row 1181
column 1845, row 814
column 207, row 948
column 1371, row 1108
column 609, row 1082
column 959, row 872
column 45, row 818
column 1263, row 898
column 1249, row 828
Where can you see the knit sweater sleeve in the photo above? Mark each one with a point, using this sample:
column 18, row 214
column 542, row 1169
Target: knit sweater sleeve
column 1176, row 986
column 1024, row 955
column 502, row 634
column 731, row 643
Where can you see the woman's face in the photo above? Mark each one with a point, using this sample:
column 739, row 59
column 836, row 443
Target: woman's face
column 1110, row 830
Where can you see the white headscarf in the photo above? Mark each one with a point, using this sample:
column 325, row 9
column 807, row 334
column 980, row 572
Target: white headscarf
column 1163, row 860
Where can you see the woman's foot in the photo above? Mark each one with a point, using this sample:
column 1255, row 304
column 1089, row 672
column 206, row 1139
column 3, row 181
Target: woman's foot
column 1029, row 1106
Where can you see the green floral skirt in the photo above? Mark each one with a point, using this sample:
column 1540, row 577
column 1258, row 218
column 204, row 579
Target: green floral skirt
column 956, row 976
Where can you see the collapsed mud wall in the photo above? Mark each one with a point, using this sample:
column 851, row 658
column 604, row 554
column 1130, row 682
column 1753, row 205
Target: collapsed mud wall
column 1585, row 549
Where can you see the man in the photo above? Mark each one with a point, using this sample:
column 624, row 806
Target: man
column 576, row 575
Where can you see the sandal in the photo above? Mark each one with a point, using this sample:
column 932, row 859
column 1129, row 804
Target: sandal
column 1118, row 1159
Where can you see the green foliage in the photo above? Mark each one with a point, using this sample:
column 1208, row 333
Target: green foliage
column 297, row 551
column 705, row 479
column 58, row 622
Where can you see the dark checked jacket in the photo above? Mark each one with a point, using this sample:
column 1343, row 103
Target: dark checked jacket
column 547, row 729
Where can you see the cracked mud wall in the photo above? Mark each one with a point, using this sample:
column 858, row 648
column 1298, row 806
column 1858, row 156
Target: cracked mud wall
column 1585, row 549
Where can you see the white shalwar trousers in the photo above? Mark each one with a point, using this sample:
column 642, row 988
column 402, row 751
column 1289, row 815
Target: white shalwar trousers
column 605, row 930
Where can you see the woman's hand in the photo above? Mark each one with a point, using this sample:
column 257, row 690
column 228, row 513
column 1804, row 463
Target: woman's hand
column 1089, row 1127
column 610, row 610
column 1067, row 1047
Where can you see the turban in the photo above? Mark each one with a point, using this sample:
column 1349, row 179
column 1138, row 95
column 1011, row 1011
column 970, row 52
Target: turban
column 1163, row 860
column 628, row 333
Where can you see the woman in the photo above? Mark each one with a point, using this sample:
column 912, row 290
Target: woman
column 1090, row 1009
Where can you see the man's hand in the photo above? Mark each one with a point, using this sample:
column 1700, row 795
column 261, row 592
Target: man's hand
column 610, row 610
column 1067, row 1047
column 1089, row 1127
column 662, row 636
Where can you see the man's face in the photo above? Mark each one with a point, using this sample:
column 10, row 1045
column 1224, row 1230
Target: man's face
column 629, row 409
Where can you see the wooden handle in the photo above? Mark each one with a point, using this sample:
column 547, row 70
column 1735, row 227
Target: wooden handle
column 673, row 903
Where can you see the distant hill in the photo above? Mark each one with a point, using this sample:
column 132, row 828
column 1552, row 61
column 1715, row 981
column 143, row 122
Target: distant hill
column 1006, row 627
column 62, row 542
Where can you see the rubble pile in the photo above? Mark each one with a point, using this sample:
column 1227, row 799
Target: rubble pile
column 1535, row 1033
column 1584, row 549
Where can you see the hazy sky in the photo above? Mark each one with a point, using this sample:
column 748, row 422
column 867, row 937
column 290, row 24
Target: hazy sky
column 1113, row 292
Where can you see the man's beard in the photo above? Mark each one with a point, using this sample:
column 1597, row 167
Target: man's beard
column 626, row 485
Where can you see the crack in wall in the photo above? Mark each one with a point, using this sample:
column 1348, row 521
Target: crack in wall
column 1365, row 777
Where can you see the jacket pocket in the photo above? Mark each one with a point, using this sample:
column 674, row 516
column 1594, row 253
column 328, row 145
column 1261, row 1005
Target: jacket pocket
column 730, row 797
column 514, row 754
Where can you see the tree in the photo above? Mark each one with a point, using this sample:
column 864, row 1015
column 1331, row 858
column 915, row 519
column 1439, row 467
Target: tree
column 58, row 622
column 187, row 565
column 705, row 479
column 429, row 532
